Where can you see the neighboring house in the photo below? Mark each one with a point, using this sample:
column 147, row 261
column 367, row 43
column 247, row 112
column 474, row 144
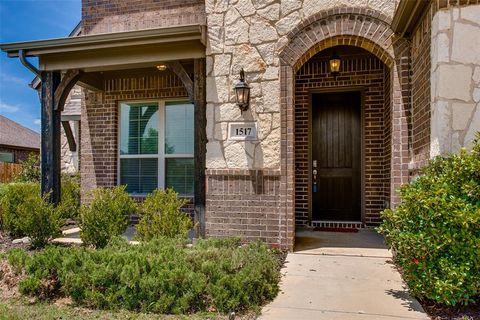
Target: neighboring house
column 17, row 141
column 314, row 146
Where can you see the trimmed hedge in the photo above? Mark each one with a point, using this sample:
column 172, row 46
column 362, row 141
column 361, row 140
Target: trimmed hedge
column 162, row 276
column 435, row 231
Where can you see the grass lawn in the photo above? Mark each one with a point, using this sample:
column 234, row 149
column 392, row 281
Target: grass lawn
column 20, row 308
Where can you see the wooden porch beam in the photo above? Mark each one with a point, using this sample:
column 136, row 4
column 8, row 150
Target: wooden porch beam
column 91, row 81
column 61, row 92
column 200, row 146
column 50, row 144
column 180, row 71
column 72, row 145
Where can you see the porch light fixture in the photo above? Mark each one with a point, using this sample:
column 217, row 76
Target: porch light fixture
column 242, row 93
column 335, row 65
column 162, row 67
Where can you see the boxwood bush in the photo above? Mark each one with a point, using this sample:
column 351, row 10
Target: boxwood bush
column 70, row 203
column 162, row 276
column 25, row 213
column 106, row 216
column 435, row 231
column 161, row 216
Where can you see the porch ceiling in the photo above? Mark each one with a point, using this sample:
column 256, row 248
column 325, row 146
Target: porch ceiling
column 114, row 51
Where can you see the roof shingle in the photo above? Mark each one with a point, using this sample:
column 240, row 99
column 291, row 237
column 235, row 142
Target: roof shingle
column 15, row 135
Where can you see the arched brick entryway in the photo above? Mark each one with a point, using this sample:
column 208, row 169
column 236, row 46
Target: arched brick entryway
column 358, row 27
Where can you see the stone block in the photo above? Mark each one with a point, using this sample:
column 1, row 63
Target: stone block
column 286, row 24
column 440, row 49
column 210, row 115
column 236, row 156
column 218, row 89
column 476, row 75
column 476, row 94
column 453, row 82
column 222, row 64
column 289, row 6
column 271, row 12
column 441, row 21
column 248, row 58
column 215, row 157
column 473, row 128
column 236, row 28
column 221, row 131
column 440, row 129
column 466, row 43
column 261, row 31
column 461, row 114
column 471, row 13
column 246, row 8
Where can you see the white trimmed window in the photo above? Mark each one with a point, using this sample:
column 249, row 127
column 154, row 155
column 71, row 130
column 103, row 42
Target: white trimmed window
column 156, row 146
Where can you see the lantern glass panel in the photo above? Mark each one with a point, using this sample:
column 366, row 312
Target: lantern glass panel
column 334, row 65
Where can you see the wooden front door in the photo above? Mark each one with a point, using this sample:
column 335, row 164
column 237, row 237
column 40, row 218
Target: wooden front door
column 336, row 158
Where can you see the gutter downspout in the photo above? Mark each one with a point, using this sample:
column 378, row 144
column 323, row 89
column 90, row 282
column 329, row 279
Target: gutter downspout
column 28, row 65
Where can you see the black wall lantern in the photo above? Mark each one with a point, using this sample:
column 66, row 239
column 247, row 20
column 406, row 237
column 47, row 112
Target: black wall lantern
column 334, row 63
column 242, row 93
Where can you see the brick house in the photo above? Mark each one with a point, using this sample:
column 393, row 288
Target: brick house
column 17, row 141
column 315, row 147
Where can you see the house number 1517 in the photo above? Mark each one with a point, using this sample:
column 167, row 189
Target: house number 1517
column 242, row 131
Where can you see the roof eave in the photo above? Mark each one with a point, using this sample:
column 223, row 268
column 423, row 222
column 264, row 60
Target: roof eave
column 118, row 39
column 407, row 15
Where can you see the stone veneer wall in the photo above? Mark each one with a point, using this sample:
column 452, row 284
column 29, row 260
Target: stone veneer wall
column 252, row 34
column 69, row 159
column 455, row 78
column 364, row 71
column 106, row 16
column 99, row 134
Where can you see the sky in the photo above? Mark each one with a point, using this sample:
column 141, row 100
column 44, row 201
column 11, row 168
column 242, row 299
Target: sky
column 25, row 20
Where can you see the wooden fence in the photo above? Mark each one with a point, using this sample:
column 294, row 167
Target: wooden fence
column 8, row 171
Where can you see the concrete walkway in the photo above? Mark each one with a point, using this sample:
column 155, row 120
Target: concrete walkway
column 344, row 276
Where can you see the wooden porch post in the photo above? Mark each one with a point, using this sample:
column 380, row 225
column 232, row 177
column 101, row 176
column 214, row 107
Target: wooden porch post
column 200, row 148
column 50, row 147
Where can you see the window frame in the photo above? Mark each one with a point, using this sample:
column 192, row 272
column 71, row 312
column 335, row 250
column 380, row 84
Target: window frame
column 12, row 154
column 160, row 156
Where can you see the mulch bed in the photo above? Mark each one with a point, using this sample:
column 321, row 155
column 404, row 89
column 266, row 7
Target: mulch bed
column 442, row 312
column 6, row 243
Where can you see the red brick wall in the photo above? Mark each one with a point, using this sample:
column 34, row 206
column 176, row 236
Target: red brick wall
column 104, row 16
column 99, row 156
column 246, row 204
column 387, row 134
column 366, row 71
column 420, row 80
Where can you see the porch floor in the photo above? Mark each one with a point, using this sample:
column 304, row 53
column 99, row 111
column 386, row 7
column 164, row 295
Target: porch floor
column 341, row 276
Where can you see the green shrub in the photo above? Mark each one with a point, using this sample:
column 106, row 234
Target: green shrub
column 106, row 216
column 162, row 276
column 435, row 231
column 39, row 220
column 30, row 171
column 70, row 203
column 26, row 213
column 160, row 216
column 14, row 195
